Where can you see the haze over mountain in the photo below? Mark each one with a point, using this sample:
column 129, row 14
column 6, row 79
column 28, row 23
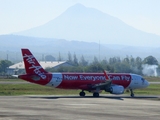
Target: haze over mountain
column 91, row 25
column 10, row 48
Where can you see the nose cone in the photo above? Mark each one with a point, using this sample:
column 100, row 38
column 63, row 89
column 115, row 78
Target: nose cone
column 146, row 83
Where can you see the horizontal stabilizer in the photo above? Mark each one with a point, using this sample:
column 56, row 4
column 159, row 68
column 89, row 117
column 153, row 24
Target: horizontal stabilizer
column 15, row 76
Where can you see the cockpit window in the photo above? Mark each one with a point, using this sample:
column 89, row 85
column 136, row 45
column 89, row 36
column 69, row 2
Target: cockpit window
column 142, row 79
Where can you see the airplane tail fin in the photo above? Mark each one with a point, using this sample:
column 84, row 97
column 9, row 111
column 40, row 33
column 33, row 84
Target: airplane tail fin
column 32, row 66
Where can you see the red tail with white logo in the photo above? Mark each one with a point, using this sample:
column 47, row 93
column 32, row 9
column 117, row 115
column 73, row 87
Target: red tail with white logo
column 34, row 71
column 31, row 64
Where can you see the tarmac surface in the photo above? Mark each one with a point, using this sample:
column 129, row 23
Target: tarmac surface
column 107, row 107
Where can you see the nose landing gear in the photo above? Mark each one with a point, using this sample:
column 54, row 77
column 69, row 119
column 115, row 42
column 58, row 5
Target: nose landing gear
column 132, row 94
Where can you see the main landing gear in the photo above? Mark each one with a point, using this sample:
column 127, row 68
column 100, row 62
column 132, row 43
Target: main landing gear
column 95, row 94
column 132, row 94
column 82, row 93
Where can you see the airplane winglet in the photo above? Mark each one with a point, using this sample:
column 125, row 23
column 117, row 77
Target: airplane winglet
column 105, row 84
column 105, row 74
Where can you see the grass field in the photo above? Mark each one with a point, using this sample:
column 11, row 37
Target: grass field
column 153, row 89
column 153, row 79
column 32, row 89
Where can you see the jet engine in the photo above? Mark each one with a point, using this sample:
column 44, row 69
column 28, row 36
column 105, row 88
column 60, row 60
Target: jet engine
column 116, row 89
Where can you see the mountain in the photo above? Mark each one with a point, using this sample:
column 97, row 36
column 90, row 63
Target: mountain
column 12, row 44
column 91, row 25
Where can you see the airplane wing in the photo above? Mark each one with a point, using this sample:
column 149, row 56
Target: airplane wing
column 104, row 85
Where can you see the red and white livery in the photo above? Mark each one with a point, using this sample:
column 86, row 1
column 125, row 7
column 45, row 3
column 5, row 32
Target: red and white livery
column 114, row 83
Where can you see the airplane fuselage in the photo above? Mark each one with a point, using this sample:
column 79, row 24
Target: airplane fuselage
column 84, row 80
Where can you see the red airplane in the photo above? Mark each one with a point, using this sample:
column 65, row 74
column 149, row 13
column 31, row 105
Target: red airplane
column 114, row 83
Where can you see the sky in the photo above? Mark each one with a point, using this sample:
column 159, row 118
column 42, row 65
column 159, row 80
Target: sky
column 19, row 15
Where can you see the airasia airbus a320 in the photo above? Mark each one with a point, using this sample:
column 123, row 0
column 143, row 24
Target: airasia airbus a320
column 114, row 83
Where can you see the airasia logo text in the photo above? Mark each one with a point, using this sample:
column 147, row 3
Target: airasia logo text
column 36, row 69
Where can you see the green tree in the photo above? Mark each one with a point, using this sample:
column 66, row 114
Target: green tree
column 122, row 68
column 114, row 60
column 150, row 60
column 69, row 57
column 4, row 64
column 126, row 60
column 82, row 61
column 75, row 60
column 138, row 66
column 132, row 61
column 138, row 62
column 95, row 61
column 95, row 68
column 49, row 58
column 104, row 62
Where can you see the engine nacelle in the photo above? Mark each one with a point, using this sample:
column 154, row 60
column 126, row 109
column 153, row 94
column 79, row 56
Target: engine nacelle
column 116, row 89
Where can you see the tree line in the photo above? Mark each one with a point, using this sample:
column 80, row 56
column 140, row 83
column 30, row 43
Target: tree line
column 128, row 64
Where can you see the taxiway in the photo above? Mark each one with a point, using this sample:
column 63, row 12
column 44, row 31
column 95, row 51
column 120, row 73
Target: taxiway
column 74, row 107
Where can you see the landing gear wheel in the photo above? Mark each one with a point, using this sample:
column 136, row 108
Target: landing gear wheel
column 95, row 94
column 82, row 93
column 132, row 94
